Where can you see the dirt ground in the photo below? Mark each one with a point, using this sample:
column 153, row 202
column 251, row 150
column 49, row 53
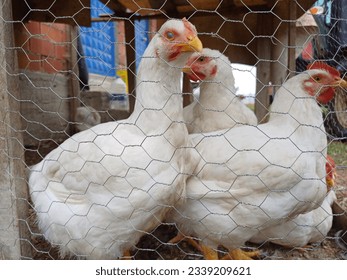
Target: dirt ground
column 154, row 245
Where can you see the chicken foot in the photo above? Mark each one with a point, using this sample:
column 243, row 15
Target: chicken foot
column 238, row 254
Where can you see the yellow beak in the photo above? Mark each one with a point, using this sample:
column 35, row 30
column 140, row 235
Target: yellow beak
column 187, row 70
column 340, row 83
column 330, row 183
column 193, row 45
column 330, row 179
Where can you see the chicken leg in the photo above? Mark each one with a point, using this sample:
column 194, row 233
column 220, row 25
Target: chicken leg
column 208, row 253
column 179, row 237
column 127, row 255
column 238, row 254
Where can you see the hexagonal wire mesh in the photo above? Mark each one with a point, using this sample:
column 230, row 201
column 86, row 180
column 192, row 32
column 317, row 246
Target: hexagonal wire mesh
column 143, row 170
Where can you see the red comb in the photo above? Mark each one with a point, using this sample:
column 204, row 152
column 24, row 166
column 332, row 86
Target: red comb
column 330, row 162
column 324, row 66
column 330, row 168
column 188, row 26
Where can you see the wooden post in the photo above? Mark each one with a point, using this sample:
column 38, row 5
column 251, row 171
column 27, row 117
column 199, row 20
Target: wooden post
column 264, row 47
column 187, row 91
column 14, row 228
column 131, row 58
column 292, row 38
column 285, row 62
column 74, row 88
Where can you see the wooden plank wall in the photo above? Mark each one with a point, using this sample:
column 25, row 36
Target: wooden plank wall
column 59, row 11
column 14, row 232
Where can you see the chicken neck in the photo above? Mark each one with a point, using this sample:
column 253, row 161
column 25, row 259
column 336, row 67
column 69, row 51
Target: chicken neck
column 221, row 88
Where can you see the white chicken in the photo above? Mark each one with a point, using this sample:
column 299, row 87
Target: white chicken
column 311, row 227
column 86, row 117
column 103, row 188
column 218, row 106
column 252, row 177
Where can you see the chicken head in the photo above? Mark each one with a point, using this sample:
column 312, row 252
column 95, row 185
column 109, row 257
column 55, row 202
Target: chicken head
column 331, row 172
column 176, row 37
column 321, row 83
column 202, row 66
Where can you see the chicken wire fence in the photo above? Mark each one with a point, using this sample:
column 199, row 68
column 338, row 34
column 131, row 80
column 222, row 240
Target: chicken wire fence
column 68, row 68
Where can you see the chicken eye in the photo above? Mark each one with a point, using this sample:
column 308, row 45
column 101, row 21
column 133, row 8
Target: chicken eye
column 201, row 59
column 170, row 35
column 317, row 78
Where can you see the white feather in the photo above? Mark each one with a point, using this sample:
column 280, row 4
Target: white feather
column 218, row 106
column 103, row 188
column 251, row 177
column 306, row 228
column 86, row 117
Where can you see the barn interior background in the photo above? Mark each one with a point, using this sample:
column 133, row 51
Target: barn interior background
column 67, row 65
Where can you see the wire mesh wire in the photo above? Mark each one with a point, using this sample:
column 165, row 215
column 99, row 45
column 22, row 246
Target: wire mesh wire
column 70, row 78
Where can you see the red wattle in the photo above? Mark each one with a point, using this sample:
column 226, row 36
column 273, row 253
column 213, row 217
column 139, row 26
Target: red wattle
column 326, row 96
